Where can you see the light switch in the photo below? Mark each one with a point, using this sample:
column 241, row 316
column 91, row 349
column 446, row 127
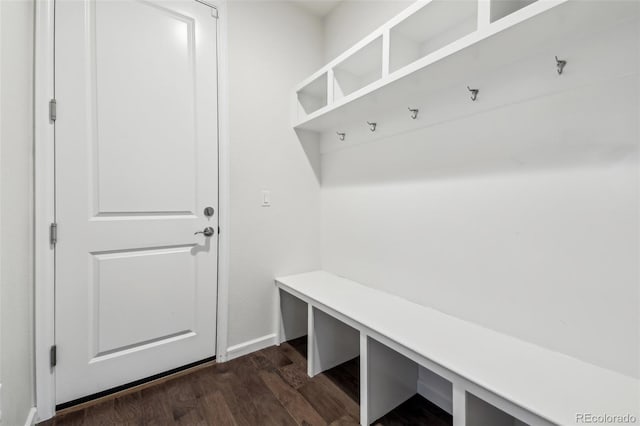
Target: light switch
column 266, row 198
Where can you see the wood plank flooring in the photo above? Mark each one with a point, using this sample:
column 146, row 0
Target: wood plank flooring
column 268, row 387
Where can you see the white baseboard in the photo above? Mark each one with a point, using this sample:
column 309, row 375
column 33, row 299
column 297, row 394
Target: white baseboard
column 436, row 396
column 31, row 418
column 245, row 348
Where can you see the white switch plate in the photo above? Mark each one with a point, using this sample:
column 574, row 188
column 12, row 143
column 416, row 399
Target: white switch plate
column 266, row 198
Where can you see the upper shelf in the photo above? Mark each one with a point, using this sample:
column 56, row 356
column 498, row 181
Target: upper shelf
column 433, row 44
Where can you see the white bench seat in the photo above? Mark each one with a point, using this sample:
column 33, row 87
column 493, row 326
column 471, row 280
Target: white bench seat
column 548, row 386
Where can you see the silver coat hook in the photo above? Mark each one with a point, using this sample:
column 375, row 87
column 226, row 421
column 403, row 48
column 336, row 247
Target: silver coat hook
column 372, row 126
column 560, row 63
column 341, row 136
column 474, row 93
column 414, row 112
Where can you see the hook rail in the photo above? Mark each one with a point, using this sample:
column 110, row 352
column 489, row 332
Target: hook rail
column 560, row 64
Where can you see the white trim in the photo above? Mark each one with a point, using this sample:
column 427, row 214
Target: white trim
column 223, row 185
column 44, row 189
column 1, row 375
column 31, row 417
column 250, row 346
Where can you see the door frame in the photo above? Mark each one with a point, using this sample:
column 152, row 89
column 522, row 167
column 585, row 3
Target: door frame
column 44, row 199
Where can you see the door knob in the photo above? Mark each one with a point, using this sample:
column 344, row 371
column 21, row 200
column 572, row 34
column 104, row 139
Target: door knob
column 208, row 231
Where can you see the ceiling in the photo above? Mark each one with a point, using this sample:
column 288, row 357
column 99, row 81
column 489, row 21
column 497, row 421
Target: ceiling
column 318, row 7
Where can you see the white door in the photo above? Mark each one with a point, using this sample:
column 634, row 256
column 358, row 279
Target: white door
column 136, row 166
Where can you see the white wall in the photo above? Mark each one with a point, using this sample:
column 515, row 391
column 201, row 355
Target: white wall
column 272, row 46
column 519, row 212
column 351, row 20
column 16, row 236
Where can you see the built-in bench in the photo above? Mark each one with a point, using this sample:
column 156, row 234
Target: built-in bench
column 478, row 375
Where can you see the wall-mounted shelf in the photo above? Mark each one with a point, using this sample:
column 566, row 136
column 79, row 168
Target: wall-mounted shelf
column 436, row 44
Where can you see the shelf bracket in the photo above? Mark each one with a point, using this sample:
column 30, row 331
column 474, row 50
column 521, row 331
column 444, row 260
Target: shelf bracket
column 372, row 126
column 341, row 136
column 414, row 112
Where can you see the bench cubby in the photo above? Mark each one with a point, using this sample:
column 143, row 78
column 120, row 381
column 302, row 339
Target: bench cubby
column 293, row 317
column 331, row 342
column 481, row 413
column 390, row 378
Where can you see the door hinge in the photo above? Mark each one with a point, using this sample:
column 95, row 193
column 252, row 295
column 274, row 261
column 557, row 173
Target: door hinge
column 53, row 356
column 53, row 234
column 218, row 230
column 53, row 110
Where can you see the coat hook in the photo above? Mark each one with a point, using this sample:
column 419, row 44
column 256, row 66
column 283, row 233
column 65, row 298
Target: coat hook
column 560, row 63
column 474, row 93
column 414, row 112
column 341, row 136
column 372, row 126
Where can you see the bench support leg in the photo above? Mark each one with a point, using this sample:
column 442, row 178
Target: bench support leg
column 459, row 405
column 392, row 379
column 364, row 381
column 311, row 338
column 331, row 342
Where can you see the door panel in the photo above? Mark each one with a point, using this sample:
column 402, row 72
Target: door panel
column 145, row 97
column 136, row 164
column 130, row 281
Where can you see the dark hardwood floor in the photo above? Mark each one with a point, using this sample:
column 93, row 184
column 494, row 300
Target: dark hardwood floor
column 269, row 387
